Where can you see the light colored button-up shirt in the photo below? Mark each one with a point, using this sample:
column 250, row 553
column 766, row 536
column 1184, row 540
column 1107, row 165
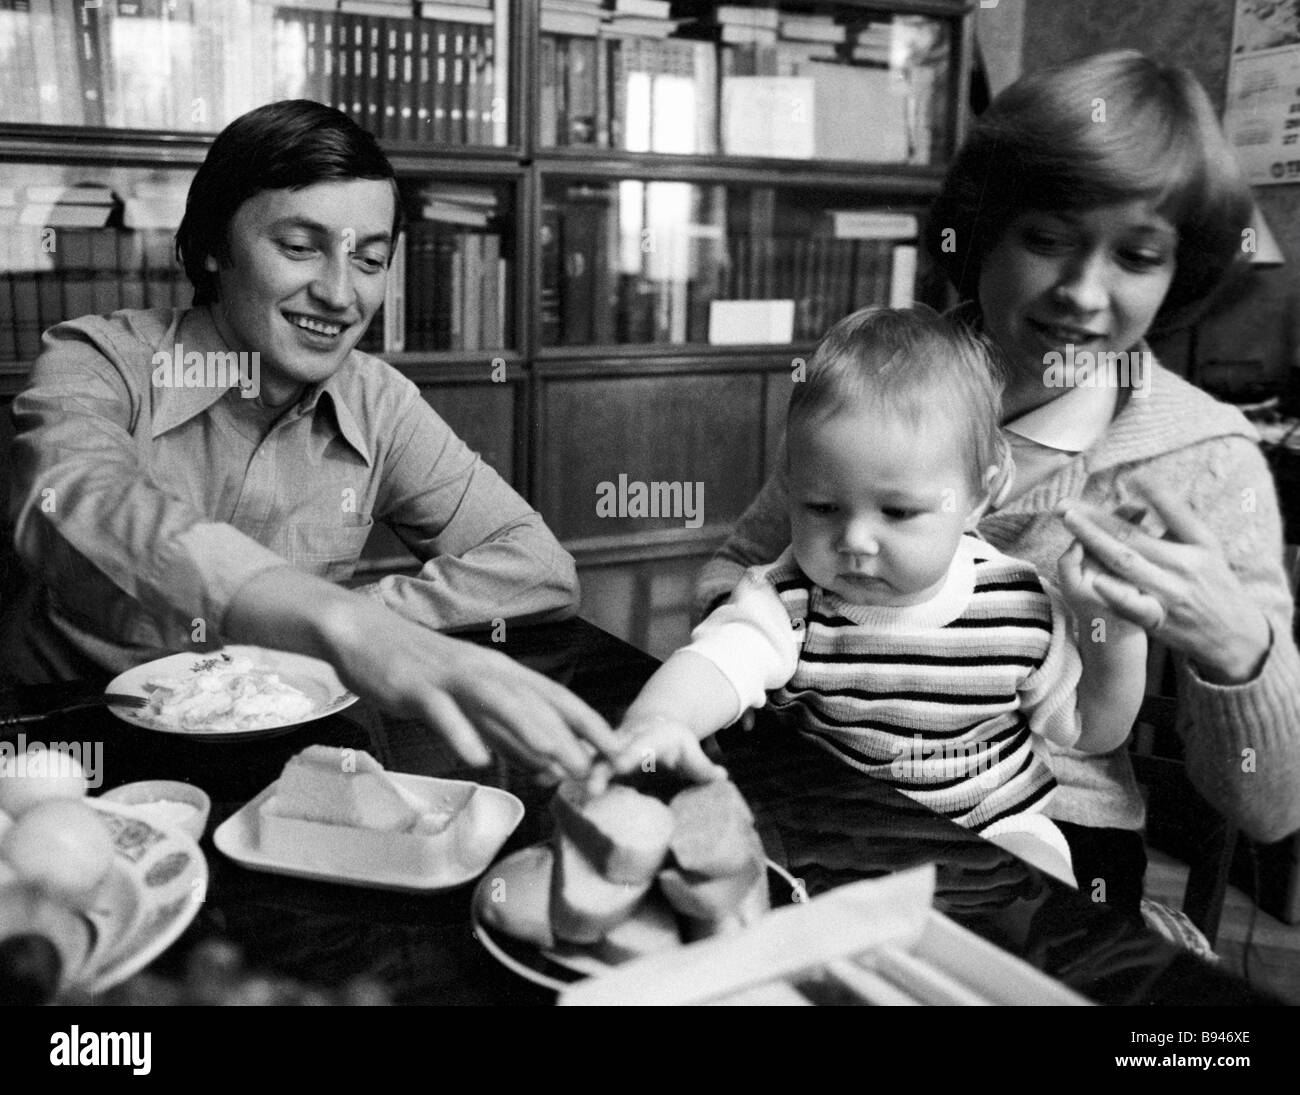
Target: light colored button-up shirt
column 141, row 510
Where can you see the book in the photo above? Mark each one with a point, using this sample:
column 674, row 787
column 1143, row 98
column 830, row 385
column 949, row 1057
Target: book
column 90, row 61
column 773, row 116
column 394, row 306
column 757, row 15
column 183, row 111
column 737, row 322
column 872, row 224
column 652, row 9
column 46, row 73
column 551, row 264
column 811, row 28
column 581, row 92
column 639, row 27
column 130, row 268
column 878, row 135
column 65, row 215
column 570, row 22
column 81, row 194
column 902, row 276
column 392, row 8
column 458, row 13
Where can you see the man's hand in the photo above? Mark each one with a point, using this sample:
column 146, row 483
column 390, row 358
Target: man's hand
column 474, row 697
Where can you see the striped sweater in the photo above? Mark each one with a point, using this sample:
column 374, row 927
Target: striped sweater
column 950, row 701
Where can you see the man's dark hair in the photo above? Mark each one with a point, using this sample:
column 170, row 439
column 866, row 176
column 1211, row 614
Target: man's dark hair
column 281, row 146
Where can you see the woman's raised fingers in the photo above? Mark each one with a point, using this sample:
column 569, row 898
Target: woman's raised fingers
column 1121, row 548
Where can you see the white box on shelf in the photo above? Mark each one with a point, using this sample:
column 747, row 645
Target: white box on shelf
column 736, row 322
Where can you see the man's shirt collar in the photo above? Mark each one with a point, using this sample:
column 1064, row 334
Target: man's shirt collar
column 175, row 405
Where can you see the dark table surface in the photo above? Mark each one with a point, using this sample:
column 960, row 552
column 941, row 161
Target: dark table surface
column 825, row 822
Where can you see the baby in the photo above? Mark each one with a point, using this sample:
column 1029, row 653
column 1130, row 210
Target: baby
column 888, row 634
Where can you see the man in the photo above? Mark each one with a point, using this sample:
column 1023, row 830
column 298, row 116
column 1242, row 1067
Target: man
column 198, row 476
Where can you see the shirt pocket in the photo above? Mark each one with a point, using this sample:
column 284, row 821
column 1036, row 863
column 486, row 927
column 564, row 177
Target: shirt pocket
column 329, row 551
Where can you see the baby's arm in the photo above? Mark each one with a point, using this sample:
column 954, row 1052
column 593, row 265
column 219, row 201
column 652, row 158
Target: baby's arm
column 743, row 649
column 1113, row 653
column 686, row 700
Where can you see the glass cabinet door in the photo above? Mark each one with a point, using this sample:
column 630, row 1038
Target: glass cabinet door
column 195, row 65
column 822, row 81
column 653, row 261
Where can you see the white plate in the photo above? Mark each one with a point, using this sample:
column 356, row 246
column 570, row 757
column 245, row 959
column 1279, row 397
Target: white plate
column 499, row 813
column 560, row 967
column 154, row 889
column 311, row 676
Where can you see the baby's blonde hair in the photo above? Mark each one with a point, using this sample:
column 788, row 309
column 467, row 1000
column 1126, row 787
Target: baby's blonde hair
column 912, row 362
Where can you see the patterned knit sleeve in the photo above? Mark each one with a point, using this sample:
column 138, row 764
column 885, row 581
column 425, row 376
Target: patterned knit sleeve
column 1242, row 742
column 750, row 640
column 1048, row 695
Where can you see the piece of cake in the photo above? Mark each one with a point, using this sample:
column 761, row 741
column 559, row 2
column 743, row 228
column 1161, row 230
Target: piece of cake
column 344, row 787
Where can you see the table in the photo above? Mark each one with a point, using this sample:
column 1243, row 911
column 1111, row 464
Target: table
column 827, row 823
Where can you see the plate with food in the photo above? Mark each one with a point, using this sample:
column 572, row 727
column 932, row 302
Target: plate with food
column 89, row 892
column 336, row 815
column 626, row 876
column 234, row 693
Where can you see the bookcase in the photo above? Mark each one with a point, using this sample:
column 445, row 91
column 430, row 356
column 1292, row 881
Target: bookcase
column 628, row 220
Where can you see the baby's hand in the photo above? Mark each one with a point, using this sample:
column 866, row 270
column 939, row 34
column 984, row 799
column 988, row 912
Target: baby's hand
column 1075, row 574
column 652, row 744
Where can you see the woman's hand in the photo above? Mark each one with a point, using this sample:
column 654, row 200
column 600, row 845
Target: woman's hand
column 1179, row 588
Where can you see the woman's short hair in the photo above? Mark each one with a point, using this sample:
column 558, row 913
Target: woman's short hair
column 1110, row 128
column 281, row 146
column 912, row 362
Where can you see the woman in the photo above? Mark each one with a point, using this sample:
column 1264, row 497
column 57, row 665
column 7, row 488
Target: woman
column 1090, row 206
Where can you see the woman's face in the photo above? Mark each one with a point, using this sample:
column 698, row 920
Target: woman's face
column 1093, row 278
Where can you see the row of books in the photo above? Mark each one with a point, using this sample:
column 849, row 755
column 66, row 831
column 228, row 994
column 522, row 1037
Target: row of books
column 198, row 64
column 426, row 80
column 448, row 290
column 595, row 290
column 57, row 274
column 633, row 93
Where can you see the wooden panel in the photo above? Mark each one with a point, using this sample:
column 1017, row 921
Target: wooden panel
column 484, row 416
column 778, row 387
column 646, row 604
column 688, row 430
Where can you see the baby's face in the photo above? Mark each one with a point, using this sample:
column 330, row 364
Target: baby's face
column 877, row 505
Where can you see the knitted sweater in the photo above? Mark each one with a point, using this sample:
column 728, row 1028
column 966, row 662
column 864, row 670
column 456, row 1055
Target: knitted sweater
column 1242, row 742
column 951, row 700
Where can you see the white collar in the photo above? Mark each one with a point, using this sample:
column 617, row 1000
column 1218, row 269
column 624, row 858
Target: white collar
column 1072, row 422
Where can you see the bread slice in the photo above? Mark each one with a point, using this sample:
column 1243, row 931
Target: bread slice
column 701, row 897
column 622, row 833
column 344, row 787
column 516, row 896
column 713, row 830
column 651, row 928
column 584, row 903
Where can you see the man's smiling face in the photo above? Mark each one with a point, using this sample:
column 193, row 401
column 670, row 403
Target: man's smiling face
column 306, row 272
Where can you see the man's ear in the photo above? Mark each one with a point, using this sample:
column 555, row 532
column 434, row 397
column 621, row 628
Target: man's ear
column 210, row 265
